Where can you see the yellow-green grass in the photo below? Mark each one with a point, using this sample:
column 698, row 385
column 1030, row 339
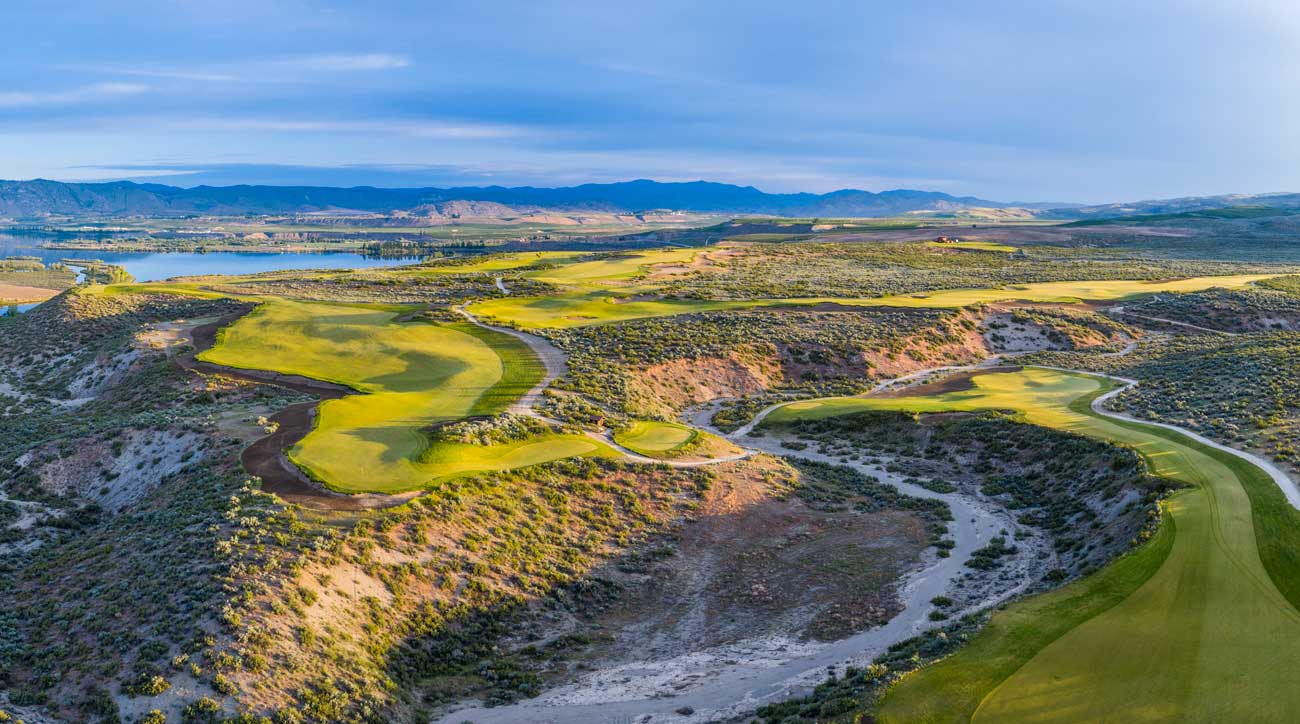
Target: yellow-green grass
column 609, row 268
column 976, row 245
column 410, row 375
column 1198, row 624
column 593, row 307
column 656, row 439
column 498, row 262
column 673, row 441
column 584, row 307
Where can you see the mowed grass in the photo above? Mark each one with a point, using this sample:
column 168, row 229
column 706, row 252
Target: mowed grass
column 1190, row 627
column 580, row 309
column 609, row 268
column 411, row 375
column 656, row 439
column 585, row 305
column 674, row 441
column 496, row 263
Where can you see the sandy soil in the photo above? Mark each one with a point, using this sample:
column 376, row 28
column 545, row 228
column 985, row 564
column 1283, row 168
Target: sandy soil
column 18, row 294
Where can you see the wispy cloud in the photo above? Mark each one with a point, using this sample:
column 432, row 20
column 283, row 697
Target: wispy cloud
column 346, row 62
column 83, row 94
column 416, row 129
column 172, row 74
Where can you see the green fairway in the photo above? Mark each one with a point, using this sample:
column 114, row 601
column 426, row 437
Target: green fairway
column 585, row 304
column 655, row 439
column 1191, row 627
column 496, row 263
column 593, row 307
column 609, row 267
column 411, row 375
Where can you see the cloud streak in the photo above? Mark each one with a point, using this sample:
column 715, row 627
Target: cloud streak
column 416, row 129
column 171, row 74
column 84, row 94
column 999, row 99
column 345, row 62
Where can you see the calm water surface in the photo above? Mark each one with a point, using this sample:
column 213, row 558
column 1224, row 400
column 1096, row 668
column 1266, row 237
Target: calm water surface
column 151, row 266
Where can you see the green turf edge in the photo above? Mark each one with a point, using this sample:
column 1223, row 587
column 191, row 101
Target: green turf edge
column 1277, row 523
column 601, row 451
column 672, row 452
column 521, row 368
column 952, row 690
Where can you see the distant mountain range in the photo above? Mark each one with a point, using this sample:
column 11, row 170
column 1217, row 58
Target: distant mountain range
column 1182, row 205
column 40, row 198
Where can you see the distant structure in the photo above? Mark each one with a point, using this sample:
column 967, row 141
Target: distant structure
column 946, row 240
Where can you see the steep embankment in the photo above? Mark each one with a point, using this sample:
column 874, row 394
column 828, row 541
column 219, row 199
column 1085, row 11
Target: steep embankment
column 656, row 368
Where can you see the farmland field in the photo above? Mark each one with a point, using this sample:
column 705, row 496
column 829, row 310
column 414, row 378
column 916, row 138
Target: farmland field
column 1199, row 624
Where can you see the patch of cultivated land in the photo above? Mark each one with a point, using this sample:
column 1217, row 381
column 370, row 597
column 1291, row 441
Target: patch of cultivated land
column 1197, row 625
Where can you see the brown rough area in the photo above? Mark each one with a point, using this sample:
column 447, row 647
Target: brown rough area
column 759, row 561
column 672, row 386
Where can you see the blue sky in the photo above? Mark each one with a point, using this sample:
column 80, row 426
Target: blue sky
column 1038, row 100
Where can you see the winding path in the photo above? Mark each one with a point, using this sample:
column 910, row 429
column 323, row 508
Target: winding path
column 732, row 680
column 265, row 457
column 740, row 689
column 554, row 361
column 1121, row 310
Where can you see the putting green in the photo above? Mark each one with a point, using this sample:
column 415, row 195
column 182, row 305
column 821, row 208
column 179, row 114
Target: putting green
column 411, row 375
column 1191, row 627
column 585, row 305
column 656, row 439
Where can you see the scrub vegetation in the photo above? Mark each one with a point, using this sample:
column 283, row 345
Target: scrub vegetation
column 510, row 472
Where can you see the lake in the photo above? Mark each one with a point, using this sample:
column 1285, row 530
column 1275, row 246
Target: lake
column 154, row 266
column 7, row 309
